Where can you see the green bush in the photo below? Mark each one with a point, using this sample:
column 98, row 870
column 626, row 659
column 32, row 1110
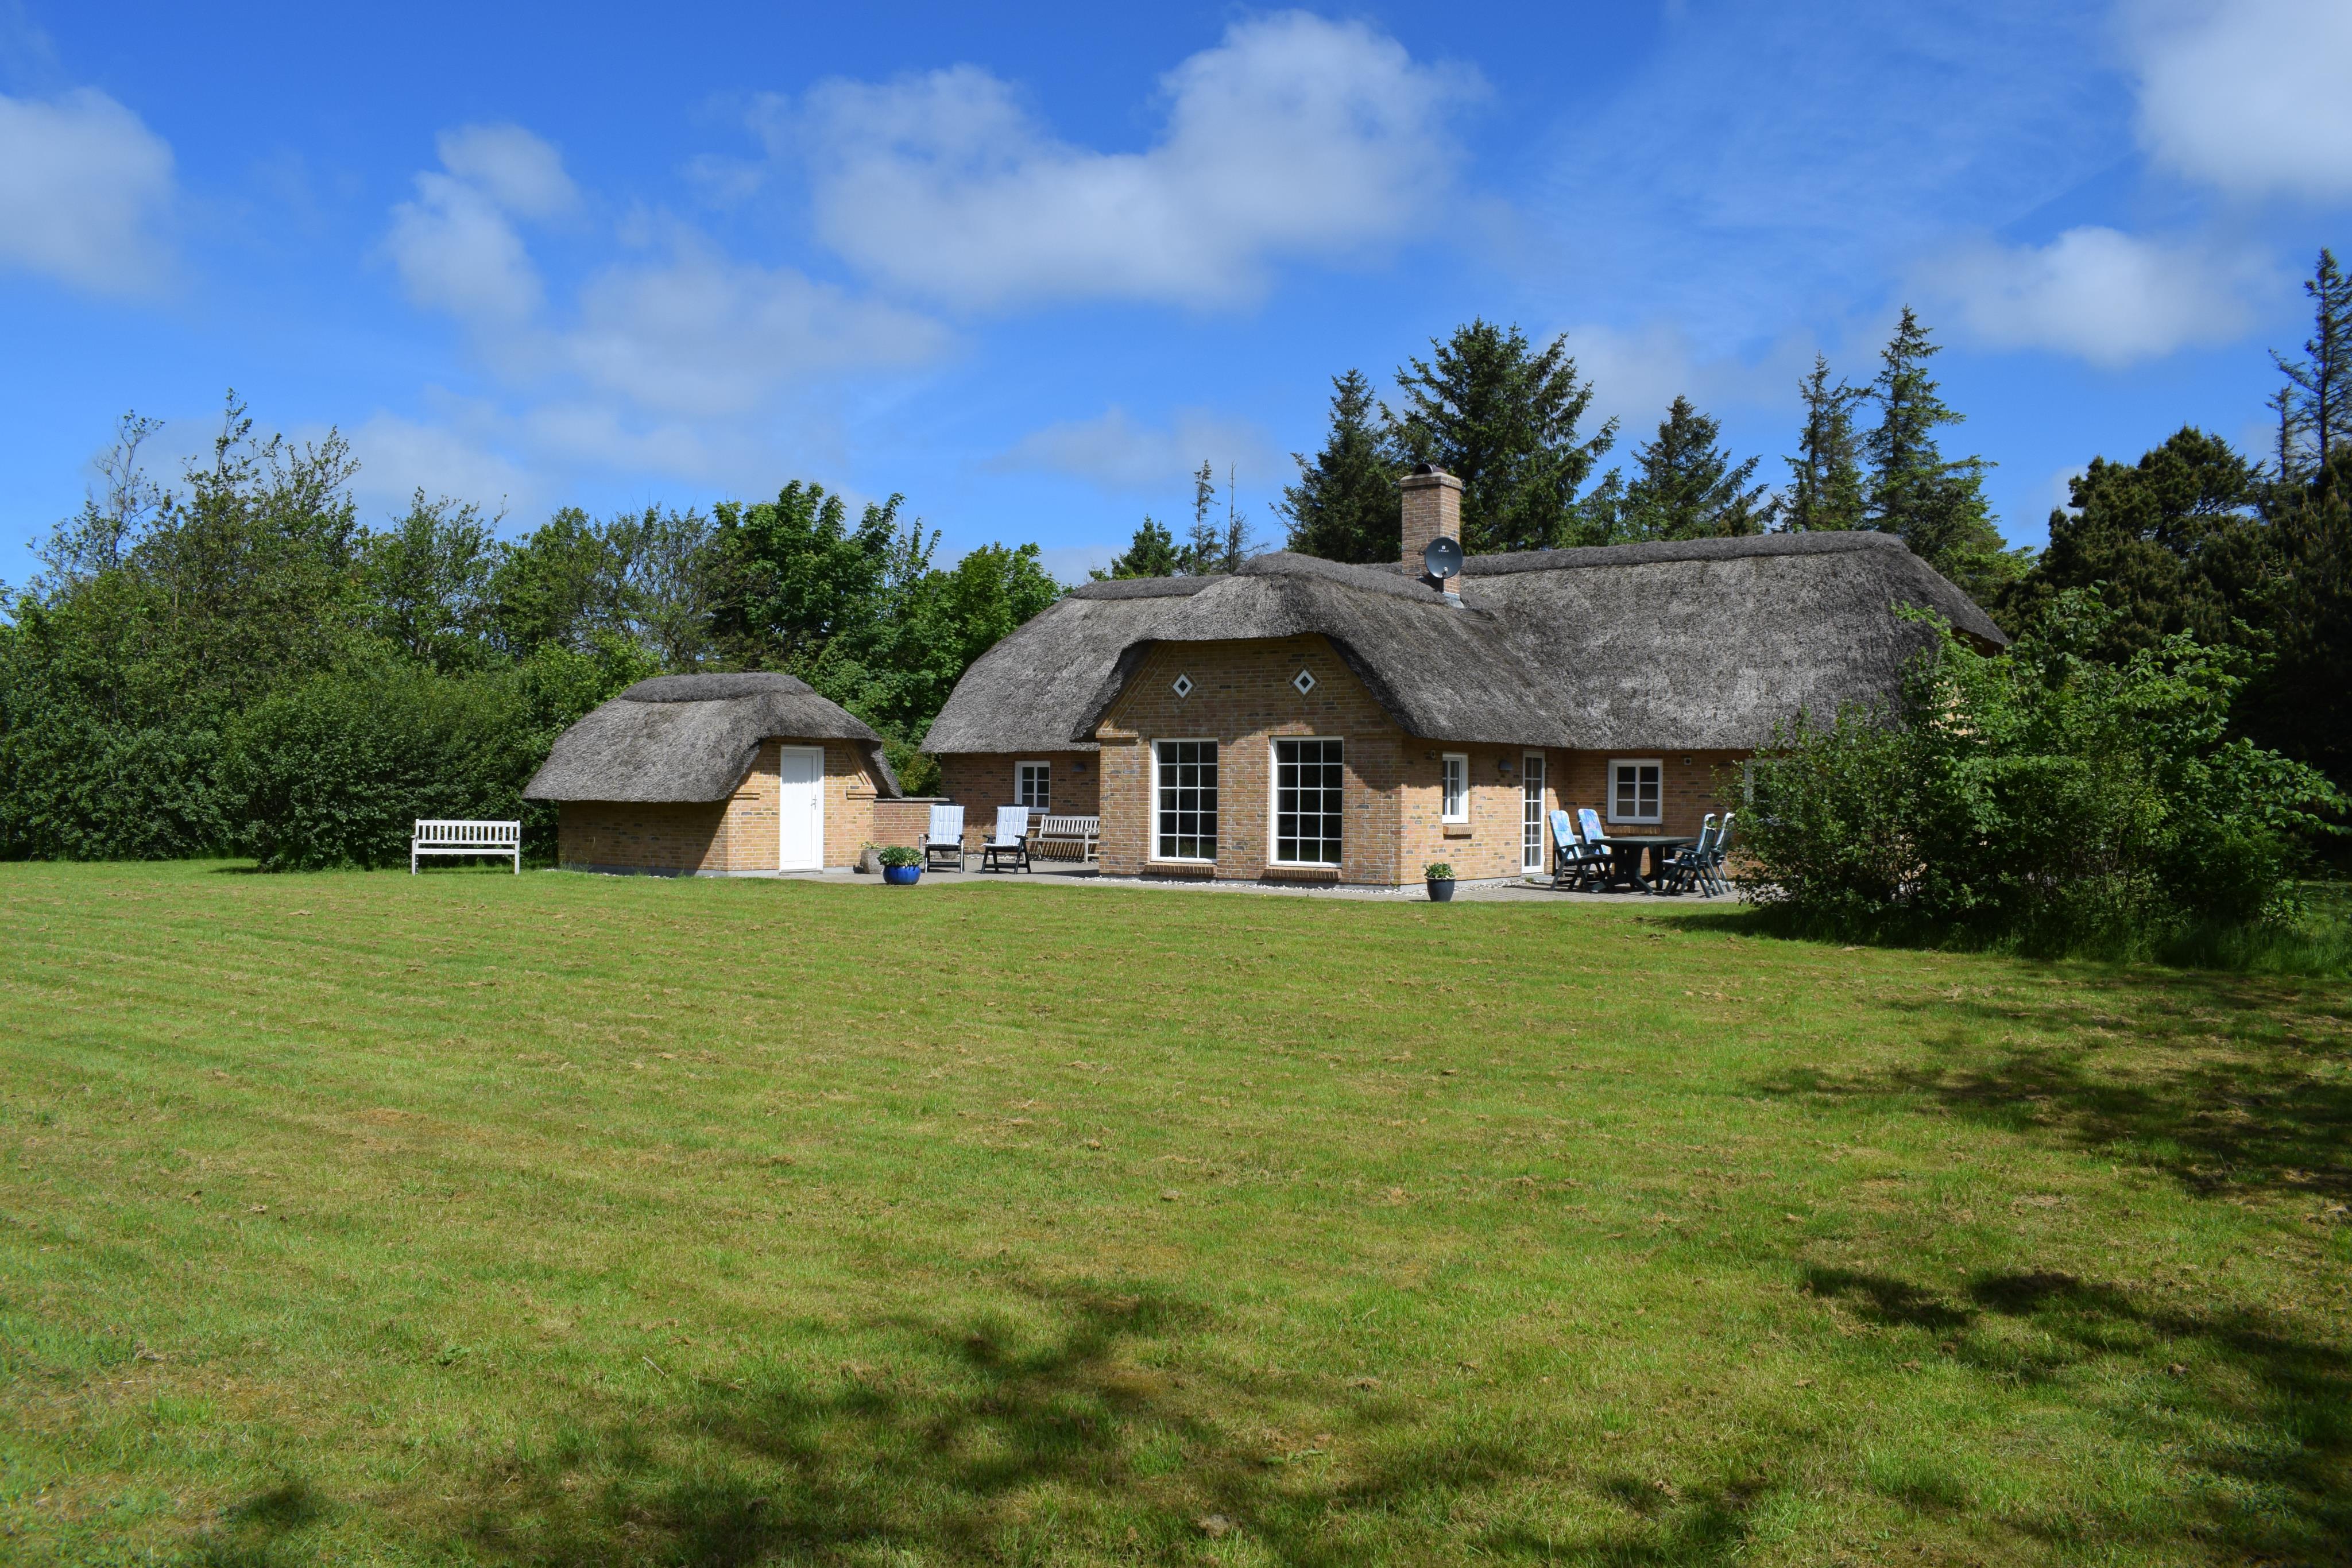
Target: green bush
column 2041, row 799
column 336, row 770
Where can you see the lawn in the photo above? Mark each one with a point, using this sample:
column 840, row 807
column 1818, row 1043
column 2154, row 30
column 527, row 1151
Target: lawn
column 468, row 1217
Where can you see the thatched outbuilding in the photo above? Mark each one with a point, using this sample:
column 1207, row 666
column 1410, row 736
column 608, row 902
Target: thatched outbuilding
column 734, row 775
column 1300, row 720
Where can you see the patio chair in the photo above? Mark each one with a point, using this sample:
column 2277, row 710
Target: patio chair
column 943, row 840
column 1574, row 864
column 1686, row 868
column 1713, row 872
column 1596, row 839
column 1011, row 843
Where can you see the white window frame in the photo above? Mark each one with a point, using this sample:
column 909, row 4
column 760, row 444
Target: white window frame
column 1152, row 846
column 1533, row 852
column 1274, row 800
column 1615, row 764
column 1448, row 764
column 1021, row 795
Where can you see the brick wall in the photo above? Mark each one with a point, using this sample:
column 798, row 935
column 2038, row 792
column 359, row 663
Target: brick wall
column 981, row 781
column 1242, row 697
column 734, row 836
column 1490, row 844
column 903, row 821
column 1694, row 783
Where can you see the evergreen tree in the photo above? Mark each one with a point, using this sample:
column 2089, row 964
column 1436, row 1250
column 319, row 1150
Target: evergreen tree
column 1150, row 553
column 2170, row 544
column 1203, row 549
column 1826, row 489
column 1502, row 417
column 1688, row 488
column 2315, row 406
column 1240, row 542
column 1345, row 505
column 1938, row 507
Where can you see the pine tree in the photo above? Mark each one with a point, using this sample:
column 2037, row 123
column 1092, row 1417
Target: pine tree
column 1240, row 542
column 1688, row 488
column 1502, row 417
column 1150, row 553
column 2316, row 405
column 1345, row 505
column 1826, row 491
column 1938, row 507
column 1203, row 549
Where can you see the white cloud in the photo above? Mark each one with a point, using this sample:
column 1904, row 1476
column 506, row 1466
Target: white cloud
column 457, row 251
column 84, row 185
column 680, row 360
column 1116, row 454
column 1071, row 563
column 1637, row 374
column 2105, row 297
column 2252, row 96
column 703, row 334
column 1293, row 136
column 398, row 456
column 512, row 167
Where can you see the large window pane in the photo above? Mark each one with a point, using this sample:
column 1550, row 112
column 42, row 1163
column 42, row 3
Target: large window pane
column 1307, row 788
column 1186, row 828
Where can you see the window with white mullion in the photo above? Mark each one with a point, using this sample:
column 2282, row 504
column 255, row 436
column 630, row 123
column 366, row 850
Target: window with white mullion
column 1453, row 788
column 1184, row 805
column 1306, row 812
column 1636, row 789
column 1033, row 786
column 1531, row 812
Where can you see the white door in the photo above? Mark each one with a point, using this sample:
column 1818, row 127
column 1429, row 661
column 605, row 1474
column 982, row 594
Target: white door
column 800, row 807
column 1531, row 812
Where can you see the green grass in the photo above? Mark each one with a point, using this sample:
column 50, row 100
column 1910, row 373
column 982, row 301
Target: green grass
column 363, row 1218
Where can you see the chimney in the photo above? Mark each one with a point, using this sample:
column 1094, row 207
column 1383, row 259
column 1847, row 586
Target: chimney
column 1432, row 507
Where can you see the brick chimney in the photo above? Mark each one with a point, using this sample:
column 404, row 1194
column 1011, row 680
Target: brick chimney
column 1432, row 507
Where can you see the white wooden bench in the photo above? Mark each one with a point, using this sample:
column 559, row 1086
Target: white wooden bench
column 1083, row 834
column 452, row 838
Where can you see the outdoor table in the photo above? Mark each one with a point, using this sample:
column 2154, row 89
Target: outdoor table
column 1625, row 855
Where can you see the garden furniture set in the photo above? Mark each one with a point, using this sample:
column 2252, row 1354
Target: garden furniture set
column 1597, row 861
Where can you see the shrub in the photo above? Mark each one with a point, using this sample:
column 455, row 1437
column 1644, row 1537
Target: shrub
column 334, row 771
column 899, row 855
column 2041, row 799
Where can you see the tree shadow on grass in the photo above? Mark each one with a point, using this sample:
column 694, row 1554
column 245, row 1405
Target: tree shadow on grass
column 2220, row 1081
column 259, row 1532
column 2265, row 1414
column 981, row 1442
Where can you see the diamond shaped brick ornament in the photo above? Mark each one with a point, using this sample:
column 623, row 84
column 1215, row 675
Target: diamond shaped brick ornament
column 1183, row 685
column 1303, row 682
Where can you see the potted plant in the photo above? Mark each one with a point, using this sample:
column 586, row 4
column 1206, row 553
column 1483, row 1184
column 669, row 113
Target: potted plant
column 902, row 865
column 1439, row 874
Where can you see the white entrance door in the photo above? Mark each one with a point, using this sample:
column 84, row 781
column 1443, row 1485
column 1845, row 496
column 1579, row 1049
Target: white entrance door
column 800, row 807
column 1531, row 812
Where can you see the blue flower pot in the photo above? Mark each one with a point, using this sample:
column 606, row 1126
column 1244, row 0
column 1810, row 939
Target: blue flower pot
column 902, row 875
column 1441, row 890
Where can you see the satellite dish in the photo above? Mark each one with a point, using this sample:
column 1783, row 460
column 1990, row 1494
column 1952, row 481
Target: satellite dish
column 1443, row 559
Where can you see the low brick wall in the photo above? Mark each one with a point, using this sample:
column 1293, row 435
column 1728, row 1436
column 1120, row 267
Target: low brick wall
column 905, row 821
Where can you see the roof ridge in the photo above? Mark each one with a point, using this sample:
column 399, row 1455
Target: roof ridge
column 1647, row 553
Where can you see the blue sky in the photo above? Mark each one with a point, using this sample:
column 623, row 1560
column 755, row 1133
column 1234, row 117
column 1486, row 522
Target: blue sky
column 1030, row 272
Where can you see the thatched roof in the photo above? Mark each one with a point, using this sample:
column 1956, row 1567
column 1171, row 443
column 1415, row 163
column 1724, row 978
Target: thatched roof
column 1699, row 645
column 692, row 739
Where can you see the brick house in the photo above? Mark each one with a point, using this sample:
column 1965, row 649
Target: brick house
column 1300, row 720
column 741, row 775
